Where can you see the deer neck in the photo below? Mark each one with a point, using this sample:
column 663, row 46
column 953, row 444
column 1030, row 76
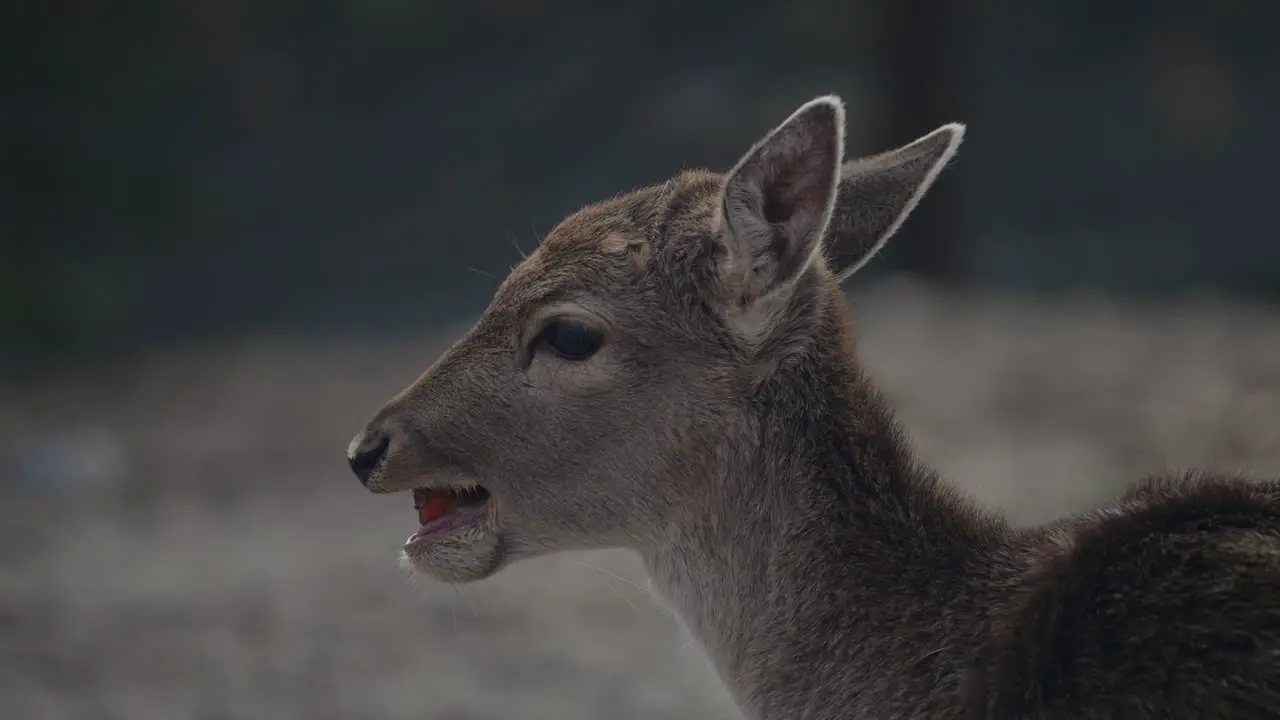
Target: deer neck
column 825, row 564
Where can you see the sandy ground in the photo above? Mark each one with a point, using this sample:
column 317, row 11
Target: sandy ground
column 180, row 538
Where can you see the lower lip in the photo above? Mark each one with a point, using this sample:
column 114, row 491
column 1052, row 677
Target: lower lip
column 462, row 517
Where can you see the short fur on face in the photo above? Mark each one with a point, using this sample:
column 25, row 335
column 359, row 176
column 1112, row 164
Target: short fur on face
column 700, row 288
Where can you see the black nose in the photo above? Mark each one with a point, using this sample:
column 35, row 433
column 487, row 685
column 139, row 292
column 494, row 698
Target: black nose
column 367, row 454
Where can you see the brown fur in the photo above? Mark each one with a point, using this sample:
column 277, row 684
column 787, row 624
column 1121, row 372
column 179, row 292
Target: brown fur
column 725, row 431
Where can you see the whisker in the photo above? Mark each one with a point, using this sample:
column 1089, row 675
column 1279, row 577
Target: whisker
column 516, row 244
column 466, row 600
column 619, row 578
column 607, row 584
column 646, row 591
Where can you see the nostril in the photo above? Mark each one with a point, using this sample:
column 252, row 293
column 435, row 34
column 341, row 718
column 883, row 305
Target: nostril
column 367, row 454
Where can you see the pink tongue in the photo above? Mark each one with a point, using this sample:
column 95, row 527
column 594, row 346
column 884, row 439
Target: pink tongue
column 437, row 504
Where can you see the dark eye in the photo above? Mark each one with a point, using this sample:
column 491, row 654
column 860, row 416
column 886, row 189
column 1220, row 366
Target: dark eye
column 571, row 340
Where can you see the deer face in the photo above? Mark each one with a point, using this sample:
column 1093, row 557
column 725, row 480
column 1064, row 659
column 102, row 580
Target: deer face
column 615, row 364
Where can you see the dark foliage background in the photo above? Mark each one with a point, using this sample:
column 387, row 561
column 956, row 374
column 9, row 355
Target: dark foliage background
column 180, row 168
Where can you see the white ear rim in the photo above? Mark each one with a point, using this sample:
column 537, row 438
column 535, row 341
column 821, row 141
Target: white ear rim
column 752, row 322
column 836, row 105
column 956, row 130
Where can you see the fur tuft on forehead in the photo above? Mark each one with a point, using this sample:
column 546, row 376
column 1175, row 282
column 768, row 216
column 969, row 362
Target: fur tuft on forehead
column 632, row 247
column 638, row 227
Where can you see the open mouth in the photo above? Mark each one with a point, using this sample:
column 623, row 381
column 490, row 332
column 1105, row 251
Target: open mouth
column 441, row 510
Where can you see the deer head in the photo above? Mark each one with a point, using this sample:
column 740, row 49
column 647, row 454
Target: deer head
column 616, row 365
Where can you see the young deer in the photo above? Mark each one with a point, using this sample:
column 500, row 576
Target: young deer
column 673, row 371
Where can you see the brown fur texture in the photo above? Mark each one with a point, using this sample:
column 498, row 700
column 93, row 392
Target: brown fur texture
column 726, row 432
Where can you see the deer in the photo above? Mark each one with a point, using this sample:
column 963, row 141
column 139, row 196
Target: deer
column 673, row 371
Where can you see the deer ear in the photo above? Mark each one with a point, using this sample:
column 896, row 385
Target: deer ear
column 778, row 200
column 877, row 193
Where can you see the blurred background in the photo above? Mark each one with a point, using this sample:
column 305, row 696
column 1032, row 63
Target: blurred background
column 230, row 230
